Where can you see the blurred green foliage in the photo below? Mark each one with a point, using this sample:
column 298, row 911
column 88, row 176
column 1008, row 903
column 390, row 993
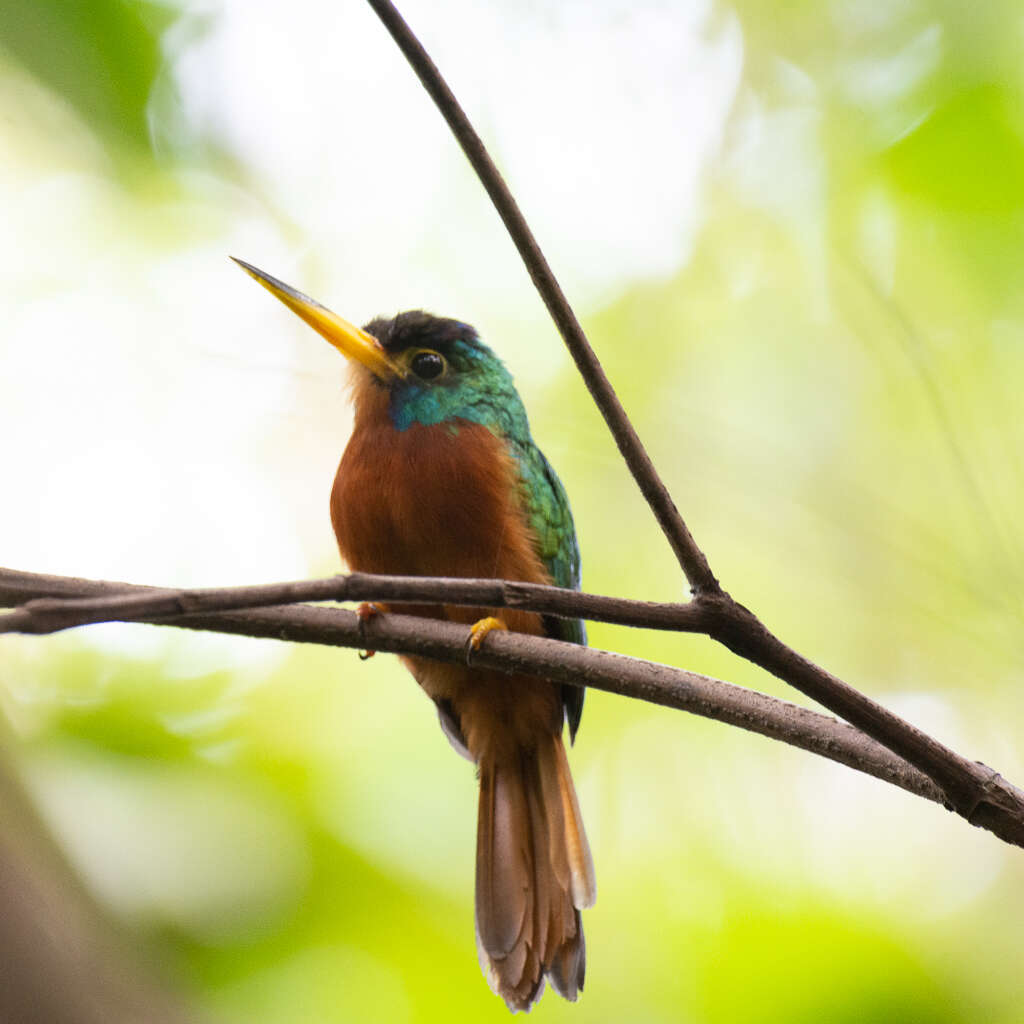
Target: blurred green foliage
column 974, row 135
column 832, row 385
column 102, row 56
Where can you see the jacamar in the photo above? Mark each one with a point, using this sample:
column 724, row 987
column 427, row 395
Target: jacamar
column 441, row 477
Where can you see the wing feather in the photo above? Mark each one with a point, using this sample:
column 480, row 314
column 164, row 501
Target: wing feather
column 550, row 518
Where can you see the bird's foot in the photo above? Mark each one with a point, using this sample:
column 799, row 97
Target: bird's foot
column 479, row 631
column 366, row 611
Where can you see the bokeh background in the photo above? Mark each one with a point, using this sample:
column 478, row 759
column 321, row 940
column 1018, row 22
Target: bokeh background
column 793, row 232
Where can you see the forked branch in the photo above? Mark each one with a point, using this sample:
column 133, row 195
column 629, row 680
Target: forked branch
column 57, row 600
column 967, row 786
column 690, row 557
column 54, row 602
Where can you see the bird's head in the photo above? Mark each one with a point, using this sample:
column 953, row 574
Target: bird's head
column 432, row 369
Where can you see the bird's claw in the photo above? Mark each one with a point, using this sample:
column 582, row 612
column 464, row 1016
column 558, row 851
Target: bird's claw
column 479, row 631
column 366, row 611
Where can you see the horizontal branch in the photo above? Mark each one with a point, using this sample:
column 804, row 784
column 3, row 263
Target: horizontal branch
column 50, row 615
column 516, row 653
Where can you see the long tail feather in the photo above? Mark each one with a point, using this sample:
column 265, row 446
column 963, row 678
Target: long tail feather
column 581, row 864
column 534, row 873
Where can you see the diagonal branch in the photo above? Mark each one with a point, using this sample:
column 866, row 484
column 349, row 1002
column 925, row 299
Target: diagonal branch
column 690, row 557
column 516, row 653
column 967, row 786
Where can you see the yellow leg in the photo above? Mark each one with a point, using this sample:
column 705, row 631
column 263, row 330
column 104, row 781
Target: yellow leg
column 480, row 630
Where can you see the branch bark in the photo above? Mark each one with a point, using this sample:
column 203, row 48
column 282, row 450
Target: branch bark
column 982, row 796
column 506, row 652
column 50, row 614
column 966, row 784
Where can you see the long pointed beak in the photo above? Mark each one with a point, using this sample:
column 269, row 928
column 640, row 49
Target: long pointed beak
column 353, row 342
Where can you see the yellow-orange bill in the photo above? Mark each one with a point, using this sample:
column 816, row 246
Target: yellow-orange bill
column 353, row 342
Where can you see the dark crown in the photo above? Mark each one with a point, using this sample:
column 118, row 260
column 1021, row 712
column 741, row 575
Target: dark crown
column 419, row 329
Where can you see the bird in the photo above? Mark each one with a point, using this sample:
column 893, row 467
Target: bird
column 441, row 477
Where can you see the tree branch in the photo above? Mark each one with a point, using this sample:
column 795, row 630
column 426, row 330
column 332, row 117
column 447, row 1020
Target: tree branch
column 690, row 557
column 52, row 614
column 968, row 786
column 978, row 794
column 550, row 659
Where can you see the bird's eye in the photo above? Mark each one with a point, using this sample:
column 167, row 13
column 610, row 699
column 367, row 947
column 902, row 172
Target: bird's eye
column 427, row 364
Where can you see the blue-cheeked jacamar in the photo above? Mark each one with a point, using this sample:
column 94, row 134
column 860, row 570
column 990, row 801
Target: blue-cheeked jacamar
column 442, row 478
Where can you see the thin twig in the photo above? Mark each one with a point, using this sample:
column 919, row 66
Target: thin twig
column 690, row 557
column 50, row 615
column 518, row 653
